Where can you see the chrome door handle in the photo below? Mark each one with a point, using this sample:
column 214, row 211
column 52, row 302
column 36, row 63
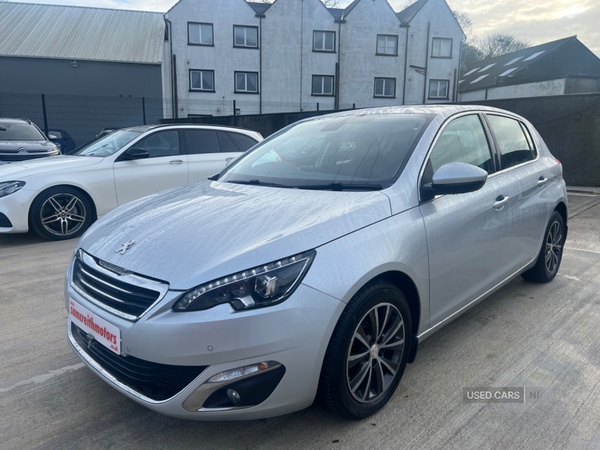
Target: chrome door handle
column 229, row 159
column 176, row 161
column 500, row 202
column 542, row 181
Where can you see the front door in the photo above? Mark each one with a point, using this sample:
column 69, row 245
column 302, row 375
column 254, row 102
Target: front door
column 465, row 238
column 166, row 167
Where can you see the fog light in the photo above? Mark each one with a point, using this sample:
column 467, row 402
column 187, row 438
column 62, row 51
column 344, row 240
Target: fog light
column 232, row 374
column 233, row 396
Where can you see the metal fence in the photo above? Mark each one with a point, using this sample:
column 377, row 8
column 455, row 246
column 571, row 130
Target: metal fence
column 83, row 117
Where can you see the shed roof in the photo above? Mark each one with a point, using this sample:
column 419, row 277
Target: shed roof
column 81, row 33
column 485, row 74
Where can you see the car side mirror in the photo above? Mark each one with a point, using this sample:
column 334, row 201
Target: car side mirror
column 135, row 153
column 458, row 178
column 52, row 137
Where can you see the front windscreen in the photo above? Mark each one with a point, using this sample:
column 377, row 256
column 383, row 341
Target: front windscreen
column 20, row 132
column 109, row 144
column 358, row 152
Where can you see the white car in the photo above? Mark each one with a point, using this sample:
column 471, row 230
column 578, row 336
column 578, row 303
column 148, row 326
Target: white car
column 59, row 197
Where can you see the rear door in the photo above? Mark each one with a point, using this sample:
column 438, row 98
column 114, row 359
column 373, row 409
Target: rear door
column 205, row 157
column 524, row 183
column 166, row 167
column 466, row 240
column 209, row 151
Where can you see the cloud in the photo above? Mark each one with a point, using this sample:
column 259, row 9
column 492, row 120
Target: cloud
column 538, row 22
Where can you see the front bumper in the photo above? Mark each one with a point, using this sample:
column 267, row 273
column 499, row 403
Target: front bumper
column 15, row 207
column 295, row 334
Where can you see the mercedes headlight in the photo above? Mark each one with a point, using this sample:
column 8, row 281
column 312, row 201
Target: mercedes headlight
column 260, row 286
column 10, row 187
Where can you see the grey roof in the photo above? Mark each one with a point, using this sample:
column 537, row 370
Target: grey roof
column 407, row 14
column 260, row 8
column 80, row 33
column 350, row 7
column 337, row 13
column 485, row 74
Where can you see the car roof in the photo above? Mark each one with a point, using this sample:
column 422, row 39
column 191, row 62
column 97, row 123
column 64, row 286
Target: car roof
column 13, row 120
column 145, row 128
column 443, row 111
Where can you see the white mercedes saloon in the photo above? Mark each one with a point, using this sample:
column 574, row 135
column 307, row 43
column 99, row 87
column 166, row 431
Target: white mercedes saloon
column 316, row 262
column 59, row 197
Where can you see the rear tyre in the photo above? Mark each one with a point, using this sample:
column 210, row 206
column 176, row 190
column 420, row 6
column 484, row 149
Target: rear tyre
column 550, row 256
column 368, row 352
column 60, row 213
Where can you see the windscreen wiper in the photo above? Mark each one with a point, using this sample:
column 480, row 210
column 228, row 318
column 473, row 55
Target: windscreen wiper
column 337, row 186
column 256, row 182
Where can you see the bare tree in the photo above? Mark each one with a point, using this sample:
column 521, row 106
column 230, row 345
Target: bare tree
column 464, row 21
column 498, row 44
column 470, row 53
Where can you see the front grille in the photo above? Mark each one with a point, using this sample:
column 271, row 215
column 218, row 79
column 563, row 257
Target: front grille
column 155, row 381
column 128, row 294
column 4, row 221
column 24, row 156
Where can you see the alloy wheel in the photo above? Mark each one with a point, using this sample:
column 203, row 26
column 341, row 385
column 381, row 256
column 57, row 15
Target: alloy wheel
column 63, row 214
column 375, row 352
column 553, row 247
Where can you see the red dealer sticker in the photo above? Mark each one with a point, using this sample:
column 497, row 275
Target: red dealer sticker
column 104, row 332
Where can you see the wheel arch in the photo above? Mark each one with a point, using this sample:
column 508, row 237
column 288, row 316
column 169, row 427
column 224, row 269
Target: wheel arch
column 71, row 186
column 409, row 288
column 562, row 210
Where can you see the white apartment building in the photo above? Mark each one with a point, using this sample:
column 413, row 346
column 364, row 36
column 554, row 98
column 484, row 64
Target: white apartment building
column 298, row 55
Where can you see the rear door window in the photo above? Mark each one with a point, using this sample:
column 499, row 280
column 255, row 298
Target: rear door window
column 202, row 141
column 463, row 140
column 513, row 141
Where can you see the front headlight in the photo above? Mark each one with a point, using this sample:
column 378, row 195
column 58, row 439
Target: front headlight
column 254, row 288
column 10, row 187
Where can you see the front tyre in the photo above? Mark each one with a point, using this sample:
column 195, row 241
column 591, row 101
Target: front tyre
column 550, row 256
column 368, row 351
column 60, row 213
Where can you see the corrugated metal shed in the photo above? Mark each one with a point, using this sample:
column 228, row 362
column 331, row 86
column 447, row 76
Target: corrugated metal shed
column 487, row 73
column 71, row 32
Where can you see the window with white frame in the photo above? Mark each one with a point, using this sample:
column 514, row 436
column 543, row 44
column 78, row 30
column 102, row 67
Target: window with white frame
column 245, row 36
column 439, row 89
column 322, row 85
column 202, row 80
column 385, row 87
column 442, row 48
column 387, row 44
column 246, row 82
column 324, row 41
column 200, row 33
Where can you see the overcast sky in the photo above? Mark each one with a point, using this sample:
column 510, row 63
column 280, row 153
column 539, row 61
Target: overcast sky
column 538, row 21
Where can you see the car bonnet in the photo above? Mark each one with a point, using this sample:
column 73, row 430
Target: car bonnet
column 195, row 233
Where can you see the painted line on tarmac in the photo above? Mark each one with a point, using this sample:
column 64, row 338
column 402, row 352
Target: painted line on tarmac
column 581, row 250
column 43, row 378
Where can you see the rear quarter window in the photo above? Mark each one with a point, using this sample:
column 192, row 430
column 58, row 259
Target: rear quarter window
column 242, row 141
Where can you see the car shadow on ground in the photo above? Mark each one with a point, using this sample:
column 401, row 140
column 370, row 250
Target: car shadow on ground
column 17, row 240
